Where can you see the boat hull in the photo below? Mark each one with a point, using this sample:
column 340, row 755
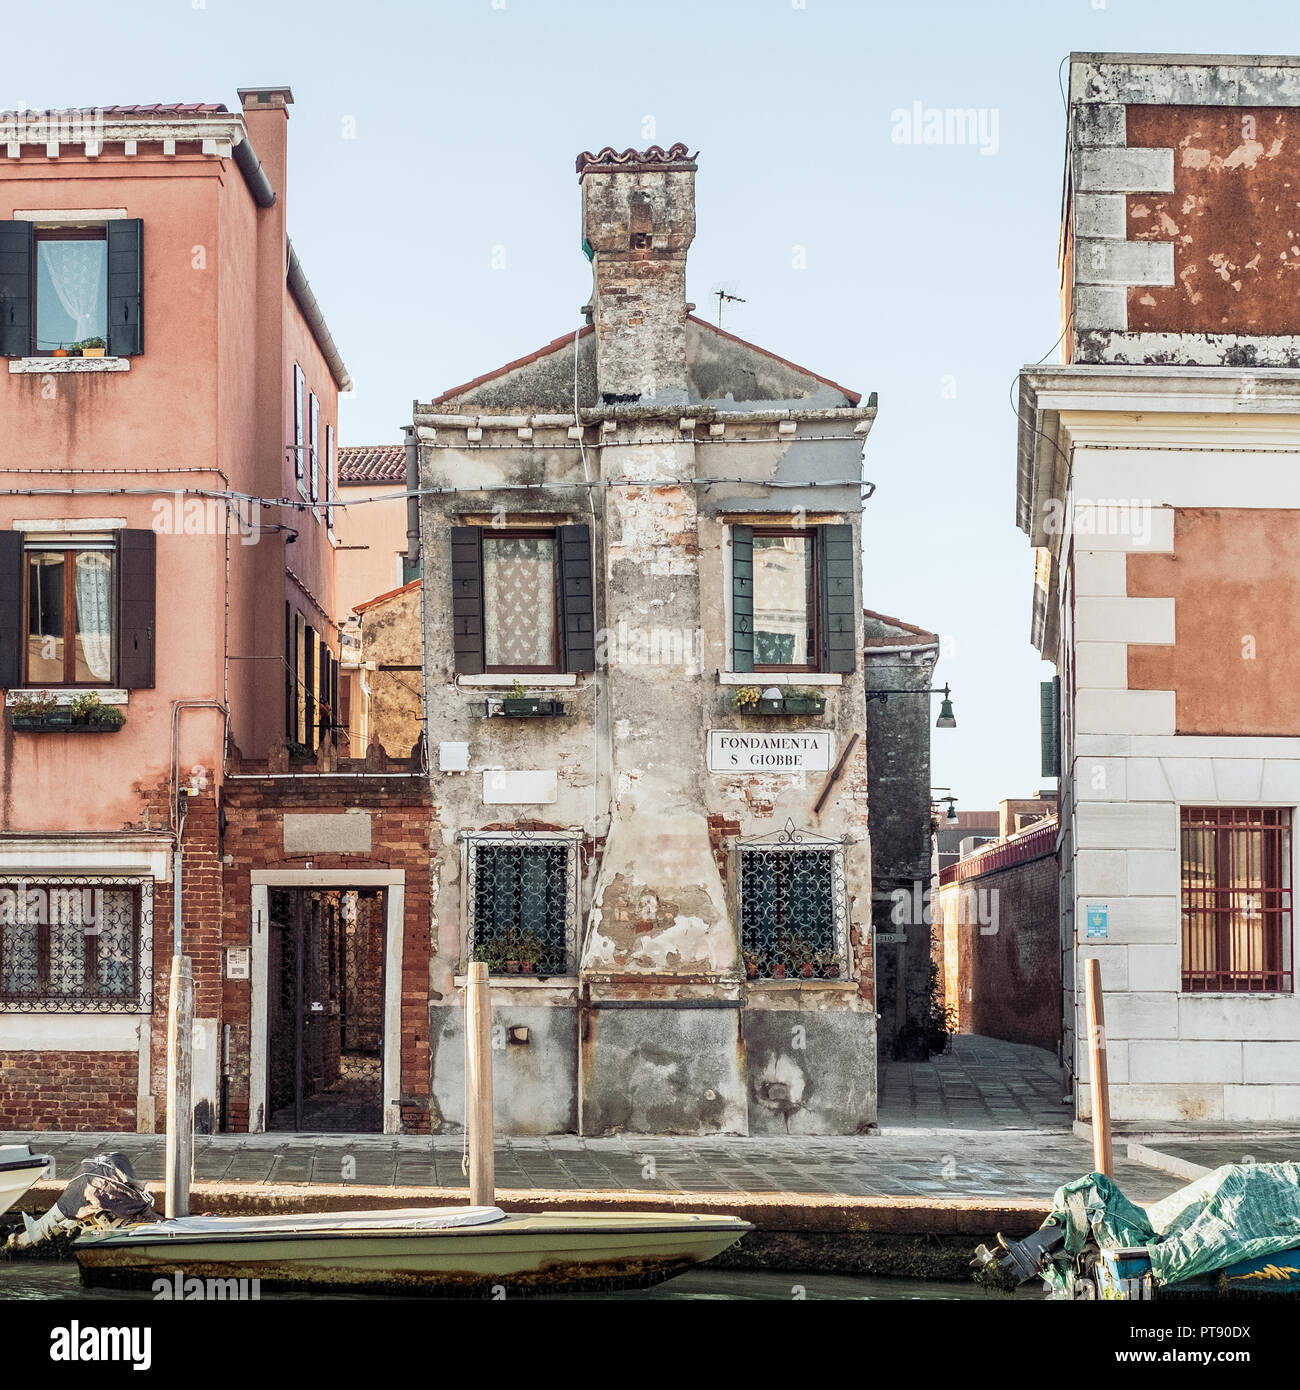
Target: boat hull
column 550, row 1252
column 18, row 1171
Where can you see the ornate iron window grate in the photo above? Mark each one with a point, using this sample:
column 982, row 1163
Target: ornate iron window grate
column 76, row 945
column 792, row 911
column 522, row 904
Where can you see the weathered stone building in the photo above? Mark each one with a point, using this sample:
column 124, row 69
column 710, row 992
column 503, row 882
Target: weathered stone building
column 900, row 660
column 629, row 538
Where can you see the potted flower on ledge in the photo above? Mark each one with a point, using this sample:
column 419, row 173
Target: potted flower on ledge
column 91, row 347
column 803, row 702
column 38, row 709
column 90, row 712
column 518, row 703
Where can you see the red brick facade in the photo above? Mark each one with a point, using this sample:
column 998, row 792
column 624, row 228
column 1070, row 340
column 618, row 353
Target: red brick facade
column 68, row 1090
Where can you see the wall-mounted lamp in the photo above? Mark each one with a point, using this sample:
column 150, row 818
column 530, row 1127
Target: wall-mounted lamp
column 946, row 719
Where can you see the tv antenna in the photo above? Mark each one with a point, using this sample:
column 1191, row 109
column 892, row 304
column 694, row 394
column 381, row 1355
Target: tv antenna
column 726, row 294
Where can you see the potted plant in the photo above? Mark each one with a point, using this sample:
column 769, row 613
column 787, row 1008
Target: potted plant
column 745, row 699
column 490, row 955
column 517, row 702
column 89, row 711
column 828, row 967
column 751, row 964
column 778, row 970
column 770, row 703
column 38, row 709
column 803, row 702
column 801, row 956
column 92, row 347
column 530, row 950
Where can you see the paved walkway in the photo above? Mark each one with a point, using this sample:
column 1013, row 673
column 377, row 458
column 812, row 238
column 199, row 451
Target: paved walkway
column 982, row 1083
column 910, row 1163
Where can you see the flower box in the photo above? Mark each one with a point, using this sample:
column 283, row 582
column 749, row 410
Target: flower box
column 529, row 707
column 804, row 704
column 791, row 704
column 61, row 720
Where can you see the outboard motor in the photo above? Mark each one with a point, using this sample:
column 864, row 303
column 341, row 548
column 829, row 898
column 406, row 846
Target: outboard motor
column 105, row 1192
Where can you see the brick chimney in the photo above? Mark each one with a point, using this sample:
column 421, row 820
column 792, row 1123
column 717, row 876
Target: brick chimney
column 638, row 221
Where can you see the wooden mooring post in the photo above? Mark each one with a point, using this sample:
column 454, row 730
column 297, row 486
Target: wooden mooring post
column 180, row 1106
column 478, row 1066
column 1103, row 1159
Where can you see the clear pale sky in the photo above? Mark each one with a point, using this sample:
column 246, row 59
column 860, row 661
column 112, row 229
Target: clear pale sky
column 430, row 140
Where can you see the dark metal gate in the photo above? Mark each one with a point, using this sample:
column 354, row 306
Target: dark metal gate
column 325, row 1010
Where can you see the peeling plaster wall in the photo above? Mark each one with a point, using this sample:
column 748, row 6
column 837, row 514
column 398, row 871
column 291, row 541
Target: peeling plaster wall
column 1179, row 243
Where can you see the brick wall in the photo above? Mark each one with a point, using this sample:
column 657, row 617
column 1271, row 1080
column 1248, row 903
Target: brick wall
column 1002, row 953
column 400, row 835
column 68, row 1090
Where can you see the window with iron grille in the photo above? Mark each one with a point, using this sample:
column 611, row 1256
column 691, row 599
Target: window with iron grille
column 1236, row 899
column 522, row 904
column 76, row 945
column 792, row 911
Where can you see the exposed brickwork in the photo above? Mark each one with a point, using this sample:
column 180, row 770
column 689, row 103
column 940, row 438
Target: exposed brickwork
column 68, row 1090
column 720, row 830
column 400, row 838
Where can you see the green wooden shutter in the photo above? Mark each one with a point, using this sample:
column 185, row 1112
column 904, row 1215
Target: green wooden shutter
column 467, row 599
column 1049, row 713
column 125, row 287
column 136, row 603
column 16, row 252
column 577, row 599
column 837, row 565
column 314, row 447
column 742, row 598
column 11, row 609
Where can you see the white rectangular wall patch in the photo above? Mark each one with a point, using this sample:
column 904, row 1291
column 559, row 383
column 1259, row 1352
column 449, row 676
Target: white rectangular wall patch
column 504, row 788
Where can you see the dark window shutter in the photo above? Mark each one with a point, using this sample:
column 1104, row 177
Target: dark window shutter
column 16, row 242
column 837, row 565
column 125, row 287
column 136, row 589
column 742, row 598
column 577, row 599
column 11, row 609
column 467, row 599
column 1049, row 711
column 314, row 448
column 290, row 676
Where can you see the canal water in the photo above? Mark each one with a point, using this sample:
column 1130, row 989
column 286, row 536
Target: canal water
column 58, row 1279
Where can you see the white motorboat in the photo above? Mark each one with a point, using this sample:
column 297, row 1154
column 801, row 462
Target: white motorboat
column 439, row 1250
column 19, row 1169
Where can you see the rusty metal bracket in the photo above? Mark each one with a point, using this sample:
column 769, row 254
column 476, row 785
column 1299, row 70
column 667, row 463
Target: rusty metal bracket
column 835, row 774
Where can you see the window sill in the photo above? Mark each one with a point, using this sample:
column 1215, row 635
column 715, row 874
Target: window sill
column 507, row 682
column 64, row 695
column 784, row 986
column 779, row 678
column 43, row 366
column 523, row 981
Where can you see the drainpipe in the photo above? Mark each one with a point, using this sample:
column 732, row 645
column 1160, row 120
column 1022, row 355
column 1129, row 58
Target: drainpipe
column 254, row 175
column 412, row 501
column 311, row 311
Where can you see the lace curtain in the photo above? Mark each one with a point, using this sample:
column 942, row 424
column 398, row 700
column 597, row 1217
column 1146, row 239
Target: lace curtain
column 75, row 269
column 94, row 625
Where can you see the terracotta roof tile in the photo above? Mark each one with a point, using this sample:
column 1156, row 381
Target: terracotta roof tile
column 676, row 156
column 161, row 109
column 553, row 346
column 383, row 598
column 910, row 634
column 372, row 463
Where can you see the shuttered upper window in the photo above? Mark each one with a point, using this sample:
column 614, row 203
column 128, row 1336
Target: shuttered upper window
column 794, row 602
column 77, row 611
column 522, row 599
column 64, row 287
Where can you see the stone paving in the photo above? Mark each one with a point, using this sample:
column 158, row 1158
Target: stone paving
column 983, row 1121
column 982, row 1083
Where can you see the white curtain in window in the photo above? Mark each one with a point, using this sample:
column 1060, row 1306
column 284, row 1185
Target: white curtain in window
column 94, row 595
column 74, row 268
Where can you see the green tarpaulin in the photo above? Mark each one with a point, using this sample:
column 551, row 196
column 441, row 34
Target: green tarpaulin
column 1235, row 1213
